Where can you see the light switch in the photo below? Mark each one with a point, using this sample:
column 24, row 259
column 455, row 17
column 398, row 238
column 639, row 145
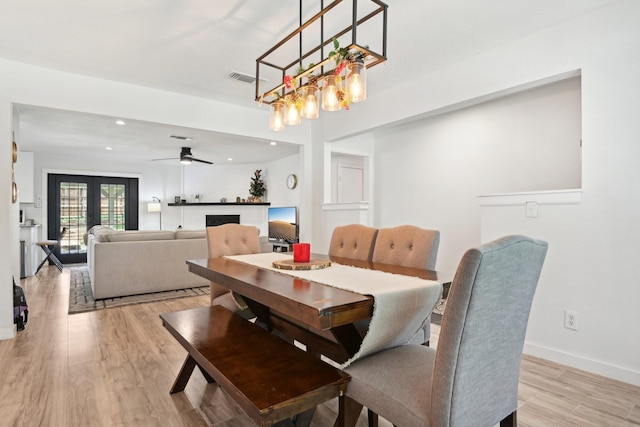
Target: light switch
column 531, row 209
column 38, row 203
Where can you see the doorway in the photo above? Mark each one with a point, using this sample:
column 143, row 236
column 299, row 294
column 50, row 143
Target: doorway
column 350, row 184
column 78, row 202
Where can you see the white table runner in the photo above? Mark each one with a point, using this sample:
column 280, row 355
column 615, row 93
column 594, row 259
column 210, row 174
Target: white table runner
column 401, row 307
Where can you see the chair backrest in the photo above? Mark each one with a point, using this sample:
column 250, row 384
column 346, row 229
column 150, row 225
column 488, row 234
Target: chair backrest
column 231, row 239
column 477, row 366
column 354, row 241
column 408, row 246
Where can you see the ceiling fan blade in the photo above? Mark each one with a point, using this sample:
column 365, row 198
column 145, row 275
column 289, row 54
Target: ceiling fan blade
column 186, row 157
column 167, row 158
column 201, row 161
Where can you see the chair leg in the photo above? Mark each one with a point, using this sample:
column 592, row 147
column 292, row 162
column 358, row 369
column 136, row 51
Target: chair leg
column 41, row 264
column 510, row 420
column 348, row 413
column 372, row 418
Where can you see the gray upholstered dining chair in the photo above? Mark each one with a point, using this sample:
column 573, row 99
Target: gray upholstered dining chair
column 409, row 246
column 231, row 239
column 472, row 377
column 354, row 241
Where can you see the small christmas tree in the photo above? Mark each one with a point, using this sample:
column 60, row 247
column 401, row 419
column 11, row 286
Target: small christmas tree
column 257, row 188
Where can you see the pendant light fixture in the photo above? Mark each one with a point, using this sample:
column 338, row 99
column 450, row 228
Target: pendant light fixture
column 340, row 75
column 276, row 121
column 310, row 109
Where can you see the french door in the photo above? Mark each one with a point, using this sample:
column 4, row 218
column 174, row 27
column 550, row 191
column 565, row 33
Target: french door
column 78, row 202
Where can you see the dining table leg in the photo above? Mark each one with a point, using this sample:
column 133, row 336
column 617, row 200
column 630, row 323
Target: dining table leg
column 302, row 419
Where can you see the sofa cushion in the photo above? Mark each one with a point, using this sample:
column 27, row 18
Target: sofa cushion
column 191, row 234
column 140, row 235
column 102, row 232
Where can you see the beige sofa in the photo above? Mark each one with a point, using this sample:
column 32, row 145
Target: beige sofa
column 137, row 262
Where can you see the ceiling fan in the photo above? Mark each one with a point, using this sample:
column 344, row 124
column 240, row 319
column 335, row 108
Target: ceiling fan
column 186, row 158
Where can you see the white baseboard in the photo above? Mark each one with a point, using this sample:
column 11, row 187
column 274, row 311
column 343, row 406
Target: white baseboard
column 8, row 333
column 589, row 365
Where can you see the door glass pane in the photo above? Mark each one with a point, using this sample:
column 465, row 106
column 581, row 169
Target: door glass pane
column 73, row 216
column 112, row 204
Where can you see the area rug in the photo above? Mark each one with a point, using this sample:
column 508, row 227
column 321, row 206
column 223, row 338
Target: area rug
column 81, row 296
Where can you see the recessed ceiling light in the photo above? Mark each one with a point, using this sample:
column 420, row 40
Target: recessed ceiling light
column 273, row 143
column 230, row 159
column 108, row 148
column 120, row 122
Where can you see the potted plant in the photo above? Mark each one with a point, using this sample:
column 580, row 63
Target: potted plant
column 257, row 188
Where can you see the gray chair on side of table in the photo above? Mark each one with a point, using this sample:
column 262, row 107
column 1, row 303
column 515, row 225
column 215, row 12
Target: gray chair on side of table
column 354, row 241
column 231, row 239
column 472, row 377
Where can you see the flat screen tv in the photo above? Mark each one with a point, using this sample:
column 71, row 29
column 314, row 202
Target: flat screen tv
column 283, row 224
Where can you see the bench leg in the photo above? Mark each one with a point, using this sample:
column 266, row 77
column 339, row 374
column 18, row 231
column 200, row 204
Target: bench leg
column 183, row 377
column 207, row 377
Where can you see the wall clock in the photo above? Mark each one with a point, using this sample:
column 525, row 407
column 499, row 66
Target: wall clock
column 292, row 181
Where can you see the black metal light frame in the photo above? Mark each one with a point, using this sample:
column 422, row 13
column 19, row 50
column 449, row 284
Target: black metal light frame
column 372, row 58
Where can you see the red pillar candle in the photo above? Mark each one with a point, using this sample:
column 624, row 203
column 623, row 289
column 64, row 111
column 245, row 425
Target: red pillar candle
column 301, row 252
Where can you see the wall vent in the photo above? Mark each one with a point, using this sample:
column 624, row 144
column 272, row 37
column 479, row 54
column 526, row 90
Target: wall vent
column 243, row 77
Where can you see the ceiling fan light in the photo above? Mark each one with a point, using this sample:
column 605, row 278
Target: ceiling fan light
column 185, row 160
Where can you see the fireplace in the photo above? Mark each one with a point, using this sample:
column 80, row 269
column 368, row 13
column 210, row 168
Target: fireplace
column 213, row 220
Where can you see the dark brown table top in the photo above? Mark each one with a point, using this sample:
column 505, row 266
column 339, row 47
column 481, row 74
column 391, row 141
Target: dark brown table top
column 315, row 304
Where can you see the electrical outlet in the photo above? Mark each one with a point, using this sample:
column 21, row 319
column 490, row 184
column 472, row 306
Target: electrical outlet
column 571, row 320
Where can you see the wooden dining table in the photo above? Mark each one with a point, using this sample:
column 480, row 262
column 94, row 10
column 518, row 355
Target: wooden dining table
column 320, row 316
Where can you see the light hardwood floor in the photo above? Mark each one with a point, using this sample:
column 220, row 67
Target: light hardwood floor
column 115, row 367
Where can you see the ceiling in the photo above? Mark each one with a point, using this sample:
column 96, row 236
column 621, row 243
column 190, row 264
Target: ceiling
column 191, row 47
column 55, row 132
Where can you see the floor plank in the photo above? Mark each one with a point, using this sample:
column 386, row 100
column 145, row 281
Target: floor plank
column 114, row 367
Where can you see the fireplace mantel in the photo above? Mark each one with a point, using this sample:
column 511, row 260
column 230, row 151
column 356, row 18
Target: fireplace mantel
column 220, row 204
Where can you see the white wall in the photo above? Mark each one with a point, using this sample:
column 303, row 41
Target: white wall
column 230, row 181
column 431, row 171
column 591, row 265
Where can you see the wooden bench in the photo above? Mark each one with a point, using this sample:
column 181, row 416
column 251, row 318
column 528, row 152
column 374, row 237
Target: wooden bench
column 270, row 379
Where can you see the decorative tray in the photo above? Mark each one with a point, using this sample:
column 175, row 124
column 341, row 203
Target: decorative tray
column 288, row 264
